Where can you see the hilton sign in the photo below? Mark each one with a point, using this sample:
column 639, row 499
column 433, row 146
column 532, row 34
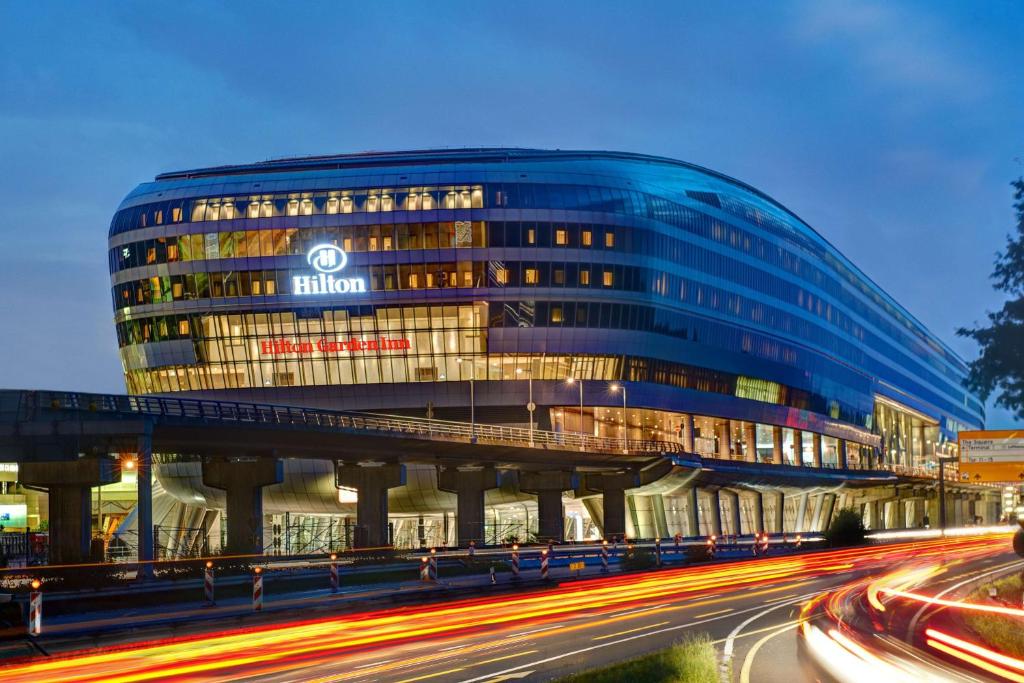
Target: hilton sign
column 328, row 259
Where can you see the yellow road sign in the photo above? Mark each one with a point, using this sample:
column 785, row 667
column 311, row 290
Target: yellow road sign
column 990, row 456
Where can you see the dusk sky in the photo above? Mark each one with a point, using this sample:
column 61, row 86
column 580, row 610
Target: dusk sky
column 892, row 128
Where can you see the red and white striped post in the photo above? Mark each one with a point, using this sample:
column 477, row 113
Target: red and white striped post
column 764, row 543
column 257, row 589
column 712, row 545
column 433, row 564
column 544, row 564
column 334, row 573
column 208, row 583
column 35, row 609
column 799, row 540
column 515, row 562
column 604, row 557
column 677, row 539
column 657, row 552
column 424, row 569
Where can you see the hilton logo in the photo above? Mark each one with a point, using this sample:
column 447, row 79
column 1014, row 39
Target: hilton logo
column 328, row 259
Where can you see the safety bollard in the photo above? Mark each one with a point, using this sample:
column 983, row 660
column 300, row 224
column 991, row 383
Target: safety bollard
column 515, row 562
column 208, row 583
column 544, row 564
column 424, row 569
column 35, row 609
column 764, row 543
column 494, row 579
column 472, row 549
column 678, row 538
column 433, row 564
column 712, row 546
column 799, row 540
column 551, row 549
column 334, row 573
column 257, row 589
column 657, row 552
column 604, row 557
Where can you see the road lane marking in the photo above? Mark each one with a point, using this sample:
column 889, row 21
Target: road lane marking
column 536, row 630
column 499, row 659
column 711, row 614
column 433, row 675
column 384, row 661
column 591, row 648
column 510, row 677
column 748, row 663
column 632, row 630
column 637, row 611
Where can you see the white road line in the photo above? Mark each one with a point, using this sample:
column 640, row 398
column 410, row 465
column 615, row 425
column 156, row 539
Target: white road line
column 617, row 642
column 536, row 630
column 364, row 666
column 636, row 611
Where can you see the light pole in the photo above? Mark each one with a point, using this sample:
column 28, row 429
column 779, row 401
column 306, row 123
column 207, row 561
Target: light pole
column 570, row 381
column 531, row 406
column 625, row 420
column 472, row 401
column 943, row 458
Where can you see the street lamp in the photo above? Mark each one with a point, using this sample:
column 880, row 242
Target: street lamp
column 625, row 421
column 531, row 406
column 472, row 402
column 943, row 458
column 570, row 381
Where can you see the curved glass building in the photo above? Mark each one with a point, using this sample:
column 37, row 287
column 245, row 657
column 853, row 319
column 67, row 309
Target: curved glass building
column 621, row 291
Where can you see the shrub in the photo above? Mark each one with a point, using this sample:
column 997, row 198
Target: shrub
column 846, row 529
column 637, row 558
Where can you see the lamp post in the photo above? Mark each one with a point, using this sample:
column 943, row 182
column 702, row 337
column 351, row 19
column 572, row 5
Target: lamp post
column 472, row 401
column 570, row 381
column 531, row 406
column 625, row 420
column 943, row 458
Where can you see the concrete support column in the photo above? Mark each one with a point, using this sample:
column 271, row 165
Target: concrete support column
column 371, row 482
column 687, row 433
column 798, row 447
column 801, row 514
column 69, row 485
column 469, row 484
column 724, row 440
column 693, row 512
column 716, row 513
column 548, row 487
column 780, row 513
column 841, row 453
column 750, row 441
column 874, row 517
column 892, row 514
column 613, row 492
column 758, row 504
column 735, row 523
column 242, row 480
column 777, row 445
column 816, row 449
column 819, row 501
column 827, row 510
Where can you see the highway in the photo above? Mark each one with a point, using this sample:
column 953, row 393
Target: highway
column 751, row 608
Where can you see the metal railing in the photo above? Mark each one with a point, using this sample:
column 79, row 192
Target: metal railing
column 396, row 425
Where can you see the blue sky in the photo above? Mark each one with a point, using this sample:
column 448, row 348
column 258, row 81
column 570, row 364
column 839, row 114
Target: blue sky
column 892, row 128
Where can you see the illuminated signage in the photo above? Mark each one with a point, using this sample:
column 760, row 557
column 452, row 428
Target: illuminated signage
column 327, row 259
column 278, row 347
column 13, row 516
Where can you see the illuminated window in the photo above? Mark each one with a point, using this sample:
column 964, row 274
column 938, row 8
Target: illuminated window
column 586, row 238
column 253, row 210
column 556, row 314
column 293, row 207
column 414, row 281
column 306, row 207
column 346, row 205
column 449, row 200
column 183, row 327
column 158, row 217
column 585, row 278
column 372, row 203
column 332, row 205
column 561, row 236
column 227, row 211
column 609, row 239
column 501, row 276
column 198, row 211
column 212, row 211
column 558, row 276
column 346, row 244
column 412, row 202
column 531, row 276
column 266, row 209
column 478, row 198
column 271, row 287
column 387, row 203
column 531, row 236
column 606, row 278
column 427, row 201
column 176, row 214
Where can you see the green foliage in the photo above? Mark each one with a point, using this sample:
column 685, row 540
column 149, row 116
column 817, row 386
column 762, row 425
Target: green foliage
column 846, row 529
column 635, row 559
column 1001, row 633
column 999, row 368
column 690, row 661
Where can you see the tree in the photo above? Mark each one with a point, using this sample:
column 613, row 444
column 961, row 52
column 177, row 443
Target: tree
column 846, row 529
column 999, row 369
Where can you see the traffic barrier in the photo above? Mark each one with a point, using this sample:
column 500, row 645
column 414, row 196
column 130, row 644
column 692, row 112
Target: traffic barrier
column 257, row 589
column 515, row 562
column 604, row 557
column 544, row 564
column 433, row 564
column 35, row 609
column 657, row 552
column 425, row 569
column 334, row 573
column 798, row 541
column 208, row 583
column 712, row 545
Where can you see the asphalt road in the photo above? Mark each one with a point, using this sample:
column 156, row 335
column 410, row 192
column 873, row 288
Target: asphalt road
column 749, row 608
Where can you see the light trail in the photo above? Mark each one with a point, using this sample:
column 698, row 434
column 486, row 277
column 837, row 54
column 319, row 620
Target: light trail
column 281, row 648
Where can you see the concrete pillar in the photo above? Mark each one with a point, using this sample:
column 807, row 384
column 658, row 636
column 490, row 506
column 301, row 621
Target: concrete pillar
column 613, row 493
column 921, row 451
column 242, row 480
column 660, row 519
column 892, row 514
column 819, row 501
column 733, row 500
column 750, row 441
column 688, row 433
column 841, row 453
column 827, row 510
column 798, row 447
column 932, row 510
column 548, row 487
column 716, row 513
column 777, row 445
column 917, row 512
column 371, row 482
column 144, row 498
column 724, row 440
column 69, row 485
column 801, row 514
column 874, row 516
column 692, row 512
column 816, row 449
column 469, row 484
column 758, row 504
column 780, row 513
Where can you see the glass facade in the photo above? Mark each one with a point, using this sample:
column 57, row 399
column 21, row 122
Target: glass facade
column 598, row 266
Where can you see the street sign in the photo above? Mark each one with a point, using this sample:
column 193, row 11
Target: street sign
column 989, row 456
column 531, row 406
column 576, row 566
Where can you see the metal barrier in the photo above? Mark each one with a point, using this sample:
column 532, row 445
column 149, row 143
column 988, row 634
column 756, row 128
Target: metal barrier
column 229, row 411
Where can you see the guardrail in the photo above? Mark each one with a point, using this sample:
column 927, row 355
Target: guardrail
column 231, row 411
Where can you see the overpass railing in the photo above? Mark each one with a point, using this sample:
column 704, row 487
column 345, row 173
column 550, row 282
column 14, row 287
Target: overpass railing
column 256, row 413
